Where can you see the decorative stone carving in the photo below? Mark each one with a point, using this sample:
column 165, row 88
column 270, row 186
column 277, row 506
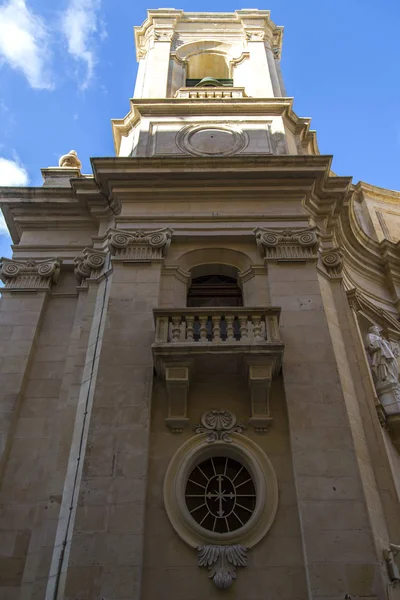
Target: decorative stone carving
column 70, row 160
column 163, row 35
column 389, row 555
column 221, row 562
column 332, row 261
column 89, row 264
column 255, row 35
column 287, row 244
column 139, row 246
column 277, row 52
column 385, row 370
column 219, row 424
column 29, row 275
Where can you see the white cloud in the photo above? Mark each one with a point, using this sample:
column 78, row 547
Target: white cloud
column 24, row 43
column 79, row 24
column 13, row 174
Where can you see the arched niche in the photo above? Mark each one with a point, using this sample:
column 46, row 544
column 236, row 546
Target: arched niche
column 176, row 279
column 207, row 256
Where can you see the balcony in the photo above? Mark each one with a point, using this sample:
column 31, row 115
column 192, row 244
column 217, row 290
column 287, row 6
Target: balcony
column 216, row 341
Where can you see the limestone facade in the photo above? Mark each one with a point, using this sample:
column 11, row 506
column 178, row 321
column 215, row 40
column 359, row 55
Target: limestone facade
column 202, row 300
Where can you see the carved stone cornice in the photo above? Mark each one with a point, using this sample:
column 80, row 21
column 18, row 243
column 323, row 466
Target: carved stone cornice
column 139, row 245
column 29, row 275
column 158, row 27
column 331, row 263
column 89, row 265
column 287, row 244
column 367, row 260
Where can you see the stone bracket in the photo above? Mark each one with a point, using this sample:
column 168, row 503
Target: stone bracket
column 177, row 378
column 222, row 562
column 259, row 379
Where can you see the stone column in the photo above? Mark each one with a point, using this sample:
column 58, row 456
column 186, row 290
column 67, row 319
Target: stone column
column 339, row 551
column 272, row 69
column 259, row 82
column 27, row 284
column 104, row 549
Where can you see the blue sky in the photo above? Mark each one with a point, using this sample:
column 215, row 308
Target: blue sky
column 68, row 67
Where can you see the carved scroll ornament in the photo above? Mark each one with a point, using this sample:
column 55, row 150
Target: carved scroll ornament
column 287, row 244
column 139, row 245
column 29, row 274
column 89, row 264
column 332, row 262
column 219, row 424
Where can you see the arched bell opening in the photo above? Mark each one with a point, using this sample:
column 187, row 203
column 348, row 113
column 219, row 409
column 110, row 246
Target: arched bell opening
column 208, row 69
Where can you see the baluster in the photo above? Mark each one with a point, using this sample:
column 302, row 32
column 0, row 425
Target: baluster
column 216, row 331
column 229, row 328
column 189, row 328
column 244, row 329
column 176, row 329
column 257, row 330
column 203, row 328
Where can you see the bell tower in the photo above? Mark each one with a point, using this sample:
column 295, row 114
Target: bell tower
column 177, row 50
column 199, row 348
column 209, row 85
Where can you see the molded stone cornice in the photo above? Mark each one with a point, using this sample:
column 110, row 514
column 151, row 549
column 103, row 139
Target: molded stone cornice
column 80, row 206
column 89, row 265
column 375, row 314
column 29, row 275
column 139, row 246
column 218, row 106
column 365, row 258
column 159, row 26
column 287, row 244
column 98, row 201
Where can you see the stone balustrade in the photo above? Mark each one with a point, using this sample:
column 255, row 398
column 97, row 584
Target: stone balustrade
column 240, row 325
column 210, row 93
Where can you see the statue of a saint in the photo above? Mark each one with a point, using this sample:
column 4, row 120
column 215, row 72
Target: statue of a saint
column 384, row 366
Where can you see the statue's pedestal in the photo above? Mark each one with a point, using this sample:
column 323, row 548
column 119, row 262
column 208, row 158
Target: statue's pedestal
column 389, row 397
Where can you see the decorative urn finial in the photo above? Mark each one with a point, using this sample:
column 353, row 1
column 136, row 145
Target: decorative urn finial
column 70, row 160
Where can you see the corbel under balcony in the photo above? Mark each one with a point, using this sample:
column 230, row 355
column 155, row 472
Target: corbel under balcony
column 243, row 339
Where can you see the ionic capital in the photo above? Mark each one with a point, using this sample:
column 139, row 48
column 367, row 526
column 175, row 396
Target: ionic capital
column 29, row 275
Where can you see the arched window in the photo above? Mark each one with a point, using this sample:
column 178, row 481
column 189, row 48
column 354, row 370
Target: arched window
column 214, row 289
column 209, row 67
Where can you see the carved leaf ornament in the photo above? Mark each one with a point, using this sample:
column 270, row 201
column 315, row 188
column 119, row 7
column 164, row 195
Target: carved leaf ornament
column 221, row 562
